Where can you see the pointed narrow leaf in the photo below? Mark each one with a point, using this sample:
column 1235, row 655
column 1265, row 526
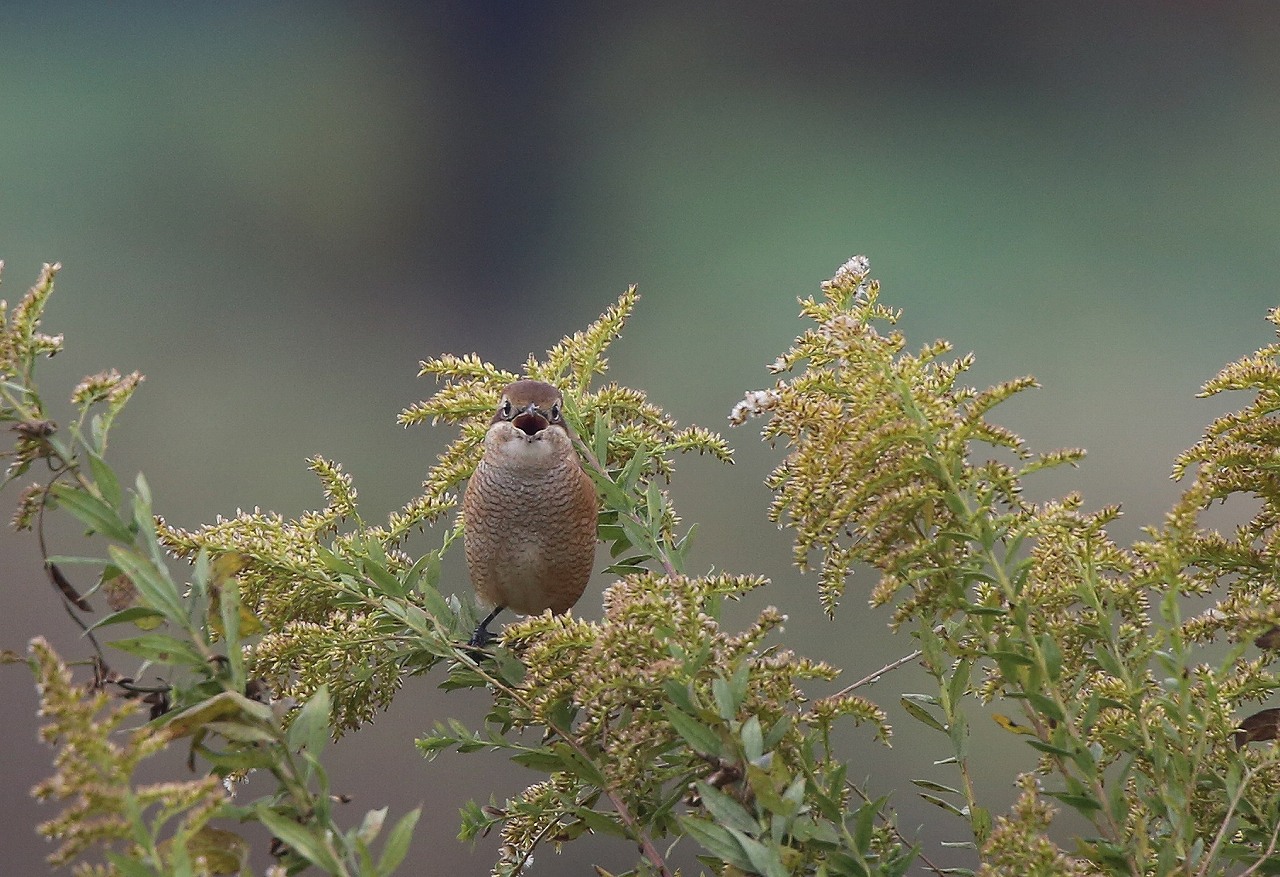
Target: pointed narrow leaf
column 752, row 739
column 716, row 840
column 723, row 697
column 397, row 845
column 920, row 714
column 92, row 512
column 154, row 586
column 600, row 823
column 304, row 840
column 704, row 740
column 1045, row 706
column 936, row 787
column 1086, row 804
column 310, row 727
column 382, row 577
column 106, row 482
column 128, row 866
column 764, row 860
column 161, row 648
column 945, row 805
column 725, row 810
column 678, row 693
column 133, row 613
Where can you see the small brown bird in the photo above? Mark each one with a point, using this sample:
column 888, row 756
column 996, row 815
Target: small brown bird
column 529, row 511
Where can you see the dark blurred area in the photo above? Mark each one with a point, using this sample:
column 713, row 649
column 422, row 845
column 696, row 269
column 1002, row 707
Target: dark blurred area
column 275, row 211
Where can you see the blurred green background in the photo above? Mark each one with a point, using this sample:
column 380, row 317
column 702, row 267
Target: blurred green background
column 275, row 211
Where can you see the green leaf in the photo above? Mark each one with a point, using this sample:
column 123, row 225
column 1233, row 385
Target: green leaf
column 600, row 437
column 1117, row 800
column 309, row 730
column 739, row 682
column 936, row 787
column 636, row 534
column 1052, row 657
column 1086, row 758
column 1085, row 804
column 130, row 867
column 723, row 697
column 777, row 732
column 624, row 569
column 223, row 707
column 105, row 480
column 704, row 740
column 337, row 564
column 397, row 845
column 144, row 522
column 153, row 584
column 143, row 490
column 763, row 786
column 764, row 859
column 307, row 841
column 162, row 649
column 133, row 613
column 241, row 732
column 752, row 739
column 980, row 823
column 1108, row 662
column 1050, row 749
column 92, row 512
column 864, row 824
column 382, row 578
column 631, row 472
column 228, row 591
column 540, row 760
column 725, row 810
column 611, row 533
column 945, row 805
column 436, row 605
column 1004, row 655
column 840, row 864
column 678, row 693
column 716, row 840
column 654, row 503
column 1045, row 706
column 794, row 793
column 910, row 703
column 683, row 544
column 600, row 823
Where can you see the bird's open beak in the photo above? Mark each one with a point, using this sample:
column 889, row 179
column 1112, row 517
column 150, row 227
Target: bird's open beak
column 530, row 422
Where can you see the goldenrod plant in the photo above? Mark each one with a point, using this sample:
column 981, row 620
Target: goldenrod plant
column 686, row 738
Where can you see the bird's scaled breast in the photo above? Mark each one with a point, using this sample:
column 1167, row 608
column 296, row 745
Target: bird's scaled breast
column 518, row 505
column 530, row 534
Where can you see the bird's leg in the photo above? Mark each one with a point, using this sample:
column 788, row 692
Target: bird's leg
column 482, row 637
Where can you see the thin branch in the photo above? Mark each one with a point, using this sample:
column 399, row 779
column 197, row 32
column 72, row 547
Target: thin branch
column 875, row 676
column 1221, row 834
column 1266, row 854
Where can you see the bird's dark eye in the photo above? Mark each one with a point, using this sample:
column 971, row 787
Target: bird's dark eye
column 555, row 413
column 505, row 408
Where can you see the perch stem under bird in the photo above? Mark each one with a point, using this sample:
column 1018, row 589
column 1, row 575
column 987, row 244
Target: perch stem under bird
column 529, row 511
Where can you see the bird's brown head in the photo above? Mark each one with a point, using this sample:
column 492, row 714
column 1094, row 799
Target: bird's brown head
column 529, row 423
